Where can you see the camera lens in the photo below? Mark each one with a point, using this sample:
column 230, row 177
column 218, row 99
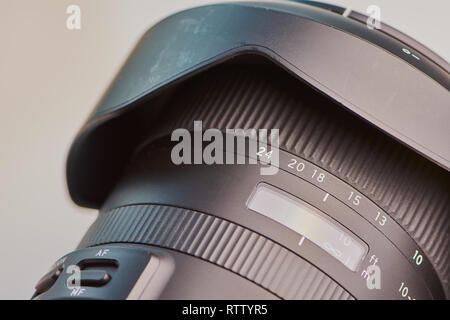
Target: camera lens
column 351, row 213
column 265, row 151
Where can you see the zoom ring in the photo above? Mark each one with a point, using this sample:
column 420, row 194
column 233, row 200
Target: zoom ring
column 220, row 242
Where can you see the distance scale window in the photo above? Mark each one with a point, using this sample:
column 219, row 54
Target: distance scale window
column 307, row 221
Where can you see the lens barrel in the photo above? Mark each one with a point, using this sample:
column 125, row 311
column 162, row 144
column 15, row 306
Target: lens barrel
column 374, row 189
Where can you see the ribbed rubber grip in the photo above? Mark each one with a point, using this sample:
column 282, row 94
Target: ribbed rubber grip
column 414, row 191
column 220, row 242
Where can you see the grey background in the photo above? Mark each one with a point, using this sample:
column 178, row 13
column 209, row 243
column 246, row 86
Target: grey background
column 50, row 80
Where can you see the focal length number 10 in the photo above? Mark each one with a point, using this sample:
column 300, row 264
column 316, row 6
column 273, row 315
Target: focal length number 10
column 418, row 258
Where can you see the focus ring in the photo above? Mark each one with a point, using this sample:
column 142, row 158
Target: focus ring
column 220, row 242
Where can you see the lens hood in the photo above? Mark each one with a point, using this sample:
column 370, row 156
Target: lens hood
column 384, row 77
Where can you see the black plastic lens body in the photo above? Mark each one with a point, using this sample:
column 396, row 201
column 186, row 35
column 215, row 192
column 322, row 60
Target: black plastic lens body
column 351, row 209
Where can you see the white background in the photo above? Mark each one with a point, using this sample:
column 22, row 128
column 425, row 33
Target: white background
column 50, row 80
